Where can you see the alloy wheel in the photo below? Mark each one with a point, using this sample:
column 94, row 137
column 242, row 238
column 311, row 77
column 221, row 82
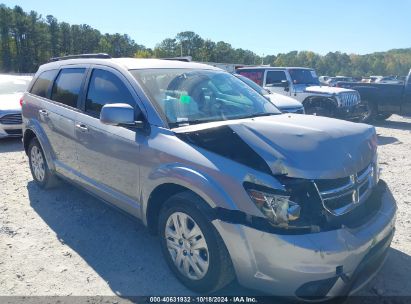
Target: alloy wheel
column 37, row 163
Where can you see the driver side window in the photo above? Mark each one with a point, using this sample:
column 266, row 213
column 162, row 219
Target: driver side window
column 274, row 78
column 105, row 88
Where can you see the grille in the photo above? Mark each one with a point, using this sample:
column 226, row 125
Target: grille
column 340, row 196
column 11, row 119
column 14, row 132
column 349, row 99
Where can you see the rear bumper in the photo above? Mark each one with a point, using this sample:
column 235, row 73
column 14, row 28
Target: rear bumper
column 313, row 266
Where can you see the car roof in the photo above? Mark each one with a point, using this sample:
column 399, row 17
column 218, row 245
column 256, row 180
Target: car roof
column 131, row 63
column 273, row 68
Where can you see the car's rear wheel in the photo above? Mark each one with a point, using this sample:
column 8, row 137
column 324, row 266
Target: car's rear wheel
column 38, row 166
column 192, row 247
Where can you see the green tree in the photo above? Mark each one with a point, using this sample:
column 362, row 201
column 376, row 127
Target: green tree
column 54, row 35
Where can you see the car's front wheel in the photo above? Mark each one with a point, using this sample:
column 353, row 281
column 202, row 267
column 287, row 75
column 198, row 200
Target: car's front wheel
column 192, row 247
column 38, row 166
column 369, row 112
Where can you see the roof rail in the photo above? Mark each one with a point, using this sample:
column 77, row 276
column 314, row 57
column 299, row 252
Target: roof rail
column 99, row 55
column 184, row 58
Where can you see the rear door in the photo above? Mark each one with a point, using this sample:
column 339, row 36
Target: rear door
column 58, row 114
column 108, row 155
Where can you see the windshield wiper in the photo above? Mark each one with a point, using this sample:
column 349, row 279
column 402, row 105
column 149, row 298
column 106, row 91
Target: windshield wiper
column 259, row 115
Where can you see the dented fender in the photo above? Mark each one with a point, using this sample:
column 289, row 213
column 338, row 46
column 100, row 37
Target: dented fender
column 200, row 183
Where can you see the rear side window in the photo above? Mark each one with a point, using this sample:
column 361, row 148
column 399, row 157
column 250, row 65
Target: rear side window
column 67, row 87
column 256, row 76
column 43, row 82
column 275, row 77
column 104, row 88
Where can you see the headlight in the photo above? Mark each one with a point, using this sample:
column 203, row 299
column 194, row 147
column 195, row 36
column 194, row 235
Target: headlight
column 276, row 207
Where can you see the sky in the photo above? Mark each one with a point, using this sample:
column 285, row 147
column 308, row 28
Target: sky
column 263, row 26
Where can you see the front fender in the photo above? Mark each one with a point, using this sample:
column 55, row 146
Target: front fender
column 182, row 175
column 35, row 127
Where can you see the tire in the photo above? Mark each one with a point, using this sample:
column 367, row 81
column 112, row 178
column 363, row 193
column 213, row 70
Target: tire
column 40, row 171
column 370, row 113
column 212, row 260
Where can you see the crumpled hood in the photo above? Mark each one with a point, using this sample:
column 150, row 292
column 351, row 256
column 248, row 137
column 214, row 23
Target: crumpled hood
column 326, row 90
column 284, row 102
column 10, row 102
column 301, row 146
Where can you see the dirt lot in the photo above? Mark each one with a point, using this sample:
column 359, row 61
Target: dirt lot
column 65, row 242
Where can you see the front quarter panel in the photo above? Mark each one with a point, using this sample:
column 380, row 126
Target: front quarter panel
column 217, row 180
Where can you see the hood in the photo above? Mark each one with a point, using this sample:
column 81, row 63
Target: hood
column 10, row 102
column 284, row 102
column 326, row 90
column 300, row 146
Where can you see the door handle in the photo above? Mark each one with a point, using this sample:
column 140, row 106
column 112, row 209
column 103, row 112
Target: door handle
column 82, row 127
column 43, row 112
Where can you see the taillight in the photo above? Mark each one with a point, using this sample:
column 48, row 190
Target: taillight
column 21, row 102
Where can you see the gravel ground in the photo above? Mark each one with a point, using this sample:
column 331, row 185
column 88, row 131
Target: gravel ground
column 66, row 242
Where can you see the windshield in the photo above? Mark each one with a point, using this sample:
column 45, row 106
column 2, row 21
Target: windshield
column 11, row 86
column 187, row 96
column 303, row 76
column 252, row 84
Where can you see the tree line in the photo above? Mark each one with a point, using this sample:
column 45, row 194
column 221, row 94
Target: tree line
column 27, row 40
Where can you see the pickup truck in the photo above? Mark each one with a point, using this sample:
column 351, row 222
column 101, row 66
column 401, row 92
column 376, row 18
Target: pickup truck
column 381, row 100
column 303, row 84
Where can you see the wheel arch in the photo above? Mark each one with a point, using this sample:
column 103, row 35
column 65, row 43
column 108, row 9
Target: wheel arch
column 158, row 198
column 33, row 131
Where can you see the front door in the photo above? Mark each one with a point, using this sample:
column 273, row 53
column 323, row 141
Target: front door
column 276, row 81
column 108, row 155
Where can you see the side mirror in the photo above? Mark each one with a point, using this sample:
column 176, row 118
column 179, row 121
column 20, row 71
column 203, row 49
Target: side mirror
column 117, row 114
column 286, row 85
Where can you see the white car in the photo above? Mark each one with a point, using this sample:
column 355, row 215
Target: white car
column 284, row 103
column 11, row 90
column 303, row 85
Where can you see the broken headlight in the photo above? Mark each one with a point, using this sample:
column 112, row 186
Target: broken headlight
column 277, row 207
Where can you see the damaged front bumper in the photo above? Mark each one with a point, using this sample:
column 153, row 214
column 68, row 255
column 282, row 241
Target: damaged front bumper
column 311, row 266
column 351, row 113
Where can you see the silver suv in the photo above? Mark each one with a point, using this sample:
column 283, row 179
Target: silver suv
column 288, row 204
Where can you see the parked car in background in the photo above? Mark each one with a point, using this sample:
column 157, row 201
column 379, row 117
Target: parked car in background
column 375, row 78
column 323, row 80
column 382, row 99
column 303, row 85
column 284, row 103
column 288, row 204
column 11, row 90
column 390, row 79
column 333, row 80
